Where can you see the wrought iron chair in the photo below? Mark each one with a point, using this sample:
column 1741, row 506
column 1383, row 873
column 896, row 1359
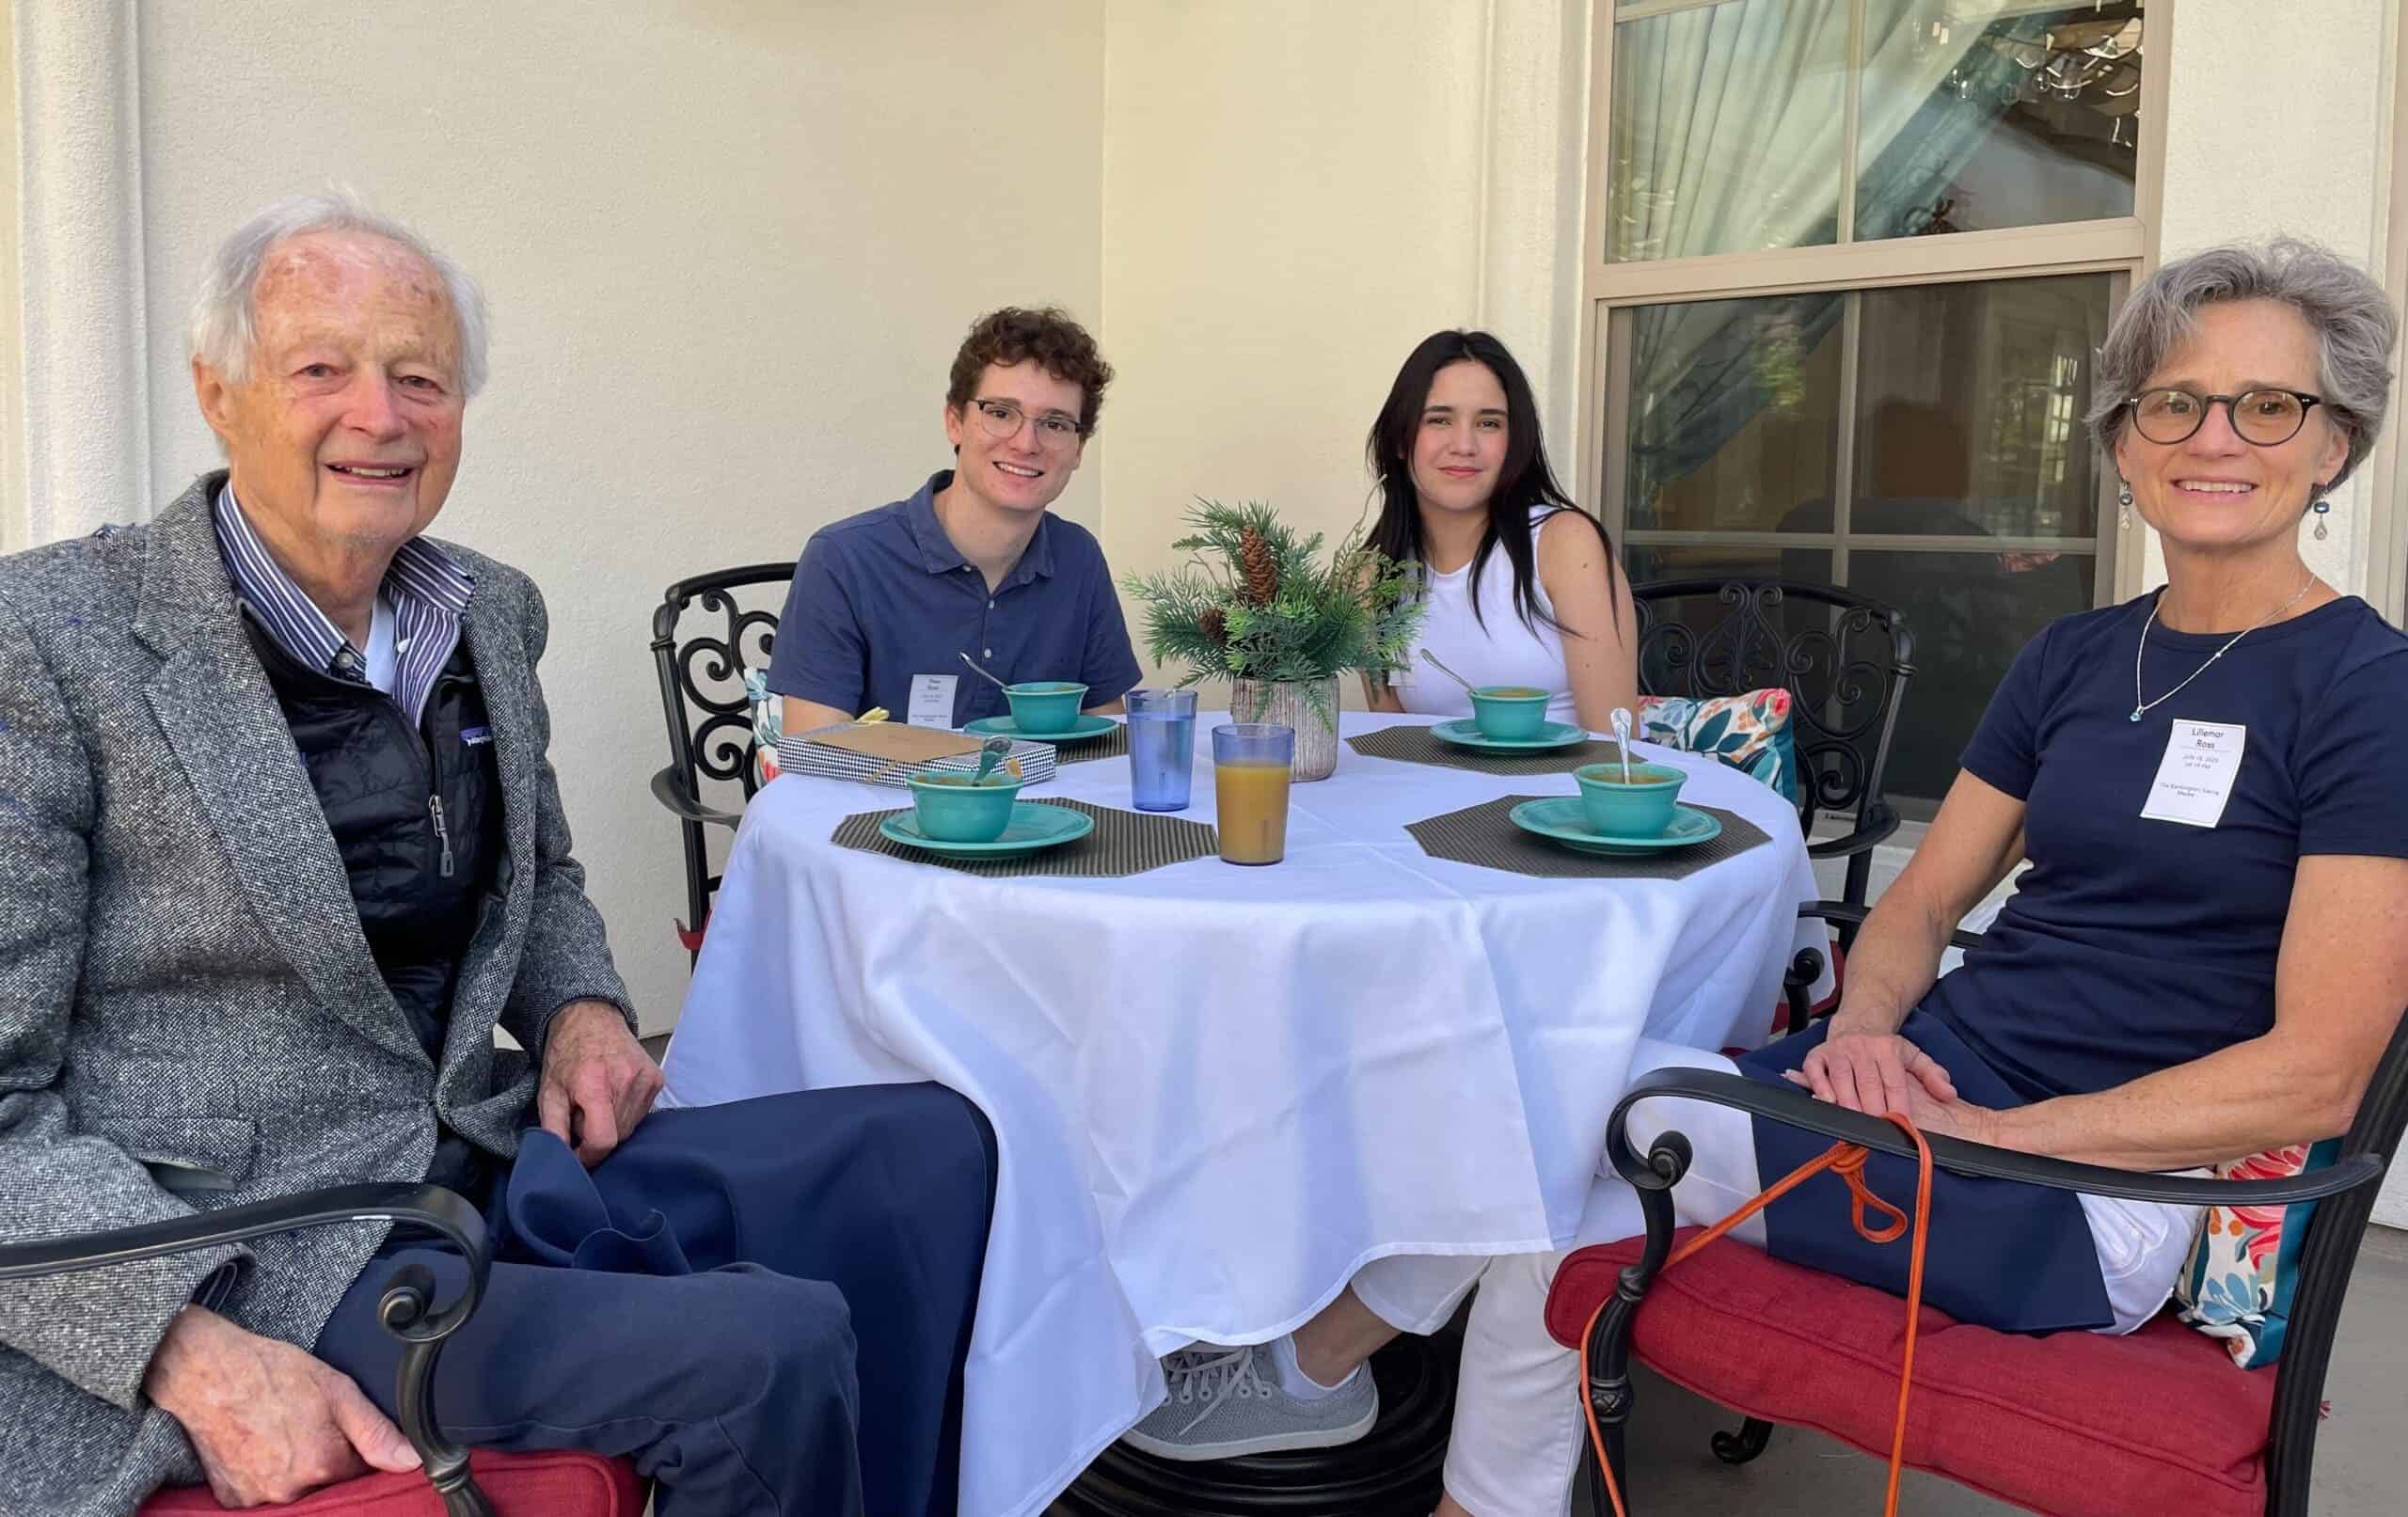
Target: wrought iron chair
column 556, row 1485
column 710, row 723
column 2082, row 1458
column 1844, row 662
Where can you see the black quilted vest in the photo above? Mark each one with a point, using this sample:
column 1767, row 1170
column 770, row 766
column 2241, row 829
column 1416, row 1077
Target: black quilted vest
column 417, row 815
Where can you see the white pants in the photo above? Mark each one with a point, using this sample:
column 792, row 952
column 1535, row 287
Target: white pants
column 1518, row 1433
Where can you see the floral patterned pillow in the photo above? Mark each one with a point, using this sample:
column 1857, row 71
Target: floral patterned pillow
column 2244, row 1264
column 768, row 716
column 1751, row 733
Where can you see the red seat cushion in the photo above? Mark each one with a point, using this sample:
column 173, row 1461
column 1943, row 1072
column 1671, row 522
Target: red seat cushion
column 2075, row 1424
column 552, row 1484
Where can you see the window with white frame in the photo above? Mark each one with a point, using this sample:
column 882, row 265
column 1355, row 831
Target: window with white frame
column 1848, row 263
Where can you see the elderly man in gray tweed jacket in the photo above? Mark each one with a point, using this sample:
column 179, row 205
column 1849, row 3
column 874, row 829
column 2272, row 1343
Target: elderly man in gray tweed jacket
column 284, row 850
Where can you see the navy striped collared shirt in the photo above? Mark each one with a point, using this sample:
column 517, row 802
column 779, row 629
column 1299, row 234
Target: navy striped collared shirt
column 427, row 587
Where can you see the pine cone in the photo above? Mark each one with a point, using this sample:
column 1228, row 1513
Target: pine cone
column 1215, row 626
column 1262, row 568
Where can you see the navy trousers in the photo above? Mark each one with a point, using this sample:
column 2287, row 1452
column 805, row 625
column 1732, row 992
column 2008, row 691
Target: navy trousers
column 2016, row 1257
column 766, row 1303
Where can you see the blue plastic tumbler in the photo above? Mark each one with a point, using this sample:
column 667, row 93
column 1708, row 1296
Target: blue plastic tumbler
column 1162, row 749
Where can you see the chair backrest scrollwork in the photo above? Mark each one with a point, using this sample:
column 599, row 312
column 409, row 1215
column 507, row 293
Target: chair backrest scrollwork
column 1845, row 661
column 702, row 675
column 702, row 691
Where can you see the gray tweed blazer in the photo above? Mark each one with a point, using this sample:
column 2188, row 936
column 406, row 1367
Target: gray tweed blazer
column 189, row 1015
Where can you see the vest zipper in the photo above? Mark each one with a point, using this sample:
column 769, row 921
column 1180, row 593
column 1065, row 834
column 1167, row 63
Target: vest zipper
column 388, row 710
column 442, row 834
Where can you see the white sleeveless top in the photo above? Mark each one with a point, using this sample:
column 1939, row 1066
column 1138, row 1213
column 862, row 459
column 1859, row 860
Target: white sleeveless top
column 1504, row 651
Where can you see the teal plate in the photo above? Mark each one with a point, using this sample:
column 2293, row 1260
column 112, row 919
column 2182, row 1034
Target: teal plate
column 1080, row 731
column 1560, row 819
column 1034, row 826
column 1465, row 733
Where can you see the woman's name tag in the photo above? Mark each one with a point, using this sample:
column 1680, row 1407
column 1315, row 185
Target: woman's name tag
column 2195, row 778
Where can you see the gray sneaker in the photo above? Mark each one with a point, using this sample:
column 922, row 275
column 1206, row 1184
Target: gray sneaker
column 1224, row 1403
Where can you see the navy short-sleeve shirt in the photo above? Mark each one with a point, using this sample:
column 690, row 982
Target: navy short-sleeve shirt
column 2133, row 944
column 884, row 597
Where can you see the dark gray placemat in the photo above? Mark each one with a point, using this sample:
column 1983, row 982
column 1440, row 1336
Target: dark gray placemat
column 1123, row 843
column 1485, row 835
column 1415, row 745
column 1114, row 744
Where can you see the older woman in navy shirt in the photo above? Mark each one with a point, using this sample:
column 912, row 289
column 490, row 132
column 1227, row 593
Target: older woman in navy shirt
column 2210, row 951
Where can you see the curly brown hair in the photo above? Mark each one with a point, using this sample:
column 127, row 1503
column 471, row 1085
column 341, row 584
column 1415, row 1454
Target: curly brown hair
column 1016, row 334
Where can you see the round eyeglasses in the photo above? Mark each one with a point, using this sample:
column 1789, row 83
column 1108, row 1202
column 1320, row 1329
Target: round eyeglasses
column 1002, row 419
column 2263, row 417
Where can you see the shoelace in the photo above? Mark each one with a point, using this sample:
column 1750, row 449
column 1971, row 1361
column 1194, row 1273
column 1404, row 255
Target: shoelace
column 1846, row 1160
column 1220, row 1372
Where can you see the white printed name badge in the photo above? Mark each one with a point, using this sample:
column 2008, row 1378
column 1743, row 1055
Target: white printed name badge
column 2195, row 778
column 932, row 699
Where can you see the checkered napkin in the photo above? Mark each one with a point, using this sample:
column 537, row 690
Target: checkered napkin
column 798, row 754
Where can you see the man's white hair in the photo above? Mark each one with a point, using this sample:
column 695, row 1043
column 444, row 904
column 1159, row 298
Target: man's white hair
column 222, row 334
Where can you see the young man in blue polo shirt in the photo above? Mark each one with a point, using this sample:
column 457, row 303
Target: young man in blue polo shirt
column 884, row 604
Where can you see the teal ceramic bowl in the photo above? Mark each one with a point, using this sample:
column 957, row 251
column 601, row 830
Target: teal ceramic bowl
column 951, row 809
column 1044, row 706
column 1509, row 712
column 1641, row 809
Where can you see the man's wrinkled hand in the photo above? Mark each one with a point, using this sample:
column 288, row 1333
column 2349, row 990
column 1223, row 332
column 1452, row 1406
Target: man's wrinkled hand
column 270, row 1423
column 598, row 1081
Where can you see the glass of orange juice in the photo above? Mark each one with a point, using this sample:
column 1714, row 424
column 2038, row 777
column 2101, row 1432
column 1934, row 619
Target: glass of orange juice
column 1250, row 763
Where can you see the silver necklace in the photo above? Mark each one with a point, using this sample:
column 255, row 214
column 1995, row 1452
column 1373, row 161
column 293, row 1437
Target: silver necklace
column 2139, row 705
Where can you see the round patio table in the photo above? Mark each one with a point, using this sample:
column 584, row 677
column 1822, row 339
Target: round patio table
column 1219, row 1091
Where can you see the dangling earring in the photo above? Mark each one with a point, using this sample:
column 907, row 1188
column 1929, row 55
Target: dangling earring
column 2324, row 508
column 2124, row 506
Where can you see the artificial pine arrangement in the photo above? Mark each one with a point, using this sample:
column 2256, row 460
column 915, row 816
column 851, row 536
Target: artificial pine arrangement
column 1253, row 604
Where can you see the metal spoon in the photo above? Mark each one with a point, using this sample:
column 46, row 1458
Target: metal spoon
column 1622, row 739
column 989, row 752
column 983, row 674
column 1431, row 659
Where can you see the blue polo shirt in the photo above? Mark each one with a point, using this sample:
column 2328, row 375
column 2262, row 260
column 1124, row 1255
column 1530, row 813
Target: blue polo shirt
column 884, row 597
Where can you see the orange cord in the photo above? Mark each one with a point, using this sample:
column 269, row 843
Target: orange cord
column 1846, row 1160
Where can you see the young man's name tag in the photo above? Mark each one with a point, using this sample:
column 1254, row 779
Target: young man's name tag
column 932, row 699
column 2195, row 778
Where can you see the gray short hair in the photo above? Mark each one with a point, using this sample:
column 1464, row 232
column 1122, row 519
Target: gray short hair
column 222, row 334
column 2343, row 304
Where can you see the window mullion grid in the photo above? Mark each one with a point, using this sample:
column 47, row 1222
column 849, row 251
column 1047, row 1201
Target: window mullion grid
column 1710, row 538
column 1614, row 470
column 1630, row 10
column 1844, row 452
column 1850, row 115
column 1865, row 542
column 2052, row 250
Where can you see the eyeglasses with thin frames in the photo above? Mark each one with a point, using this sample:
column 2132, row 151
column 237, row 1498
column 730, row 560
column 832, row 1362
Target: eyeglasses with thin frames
column 2262, row 418
column 1002, row 419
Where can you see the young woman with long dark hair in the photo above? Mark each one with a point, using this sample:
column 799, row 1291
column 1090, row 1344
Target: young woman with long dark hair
column 1521, row 583
column 1523, row 590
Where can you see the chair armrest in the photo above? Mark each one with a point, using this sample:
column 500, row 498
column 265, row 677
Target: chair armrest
column 403, row 1310
column 1853, row 914
column 670, row 792
column 1655, row 1171
column 430, row 1206
column 1884, row 823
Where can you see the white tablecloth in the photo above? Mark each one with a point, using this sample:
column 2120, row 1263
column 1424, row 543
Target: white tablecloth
column 1218, row 1091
